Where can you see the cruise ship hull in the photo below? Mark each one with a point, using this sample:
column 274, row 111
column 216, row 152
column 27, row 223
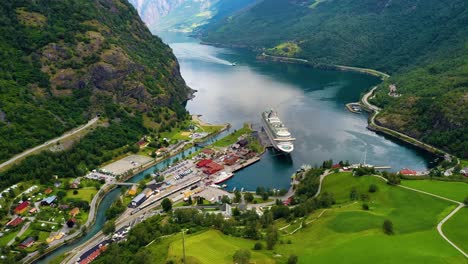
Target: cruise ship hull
column 281, row 144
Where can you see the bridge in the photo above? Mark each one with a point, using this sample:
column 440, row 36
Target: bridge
column 124, row 183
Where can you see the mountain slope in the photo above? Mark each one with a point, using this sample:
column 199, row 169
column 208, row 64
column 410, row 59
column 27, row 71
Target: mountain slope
column 185, row 15
column 422, row 44
column 62, row 62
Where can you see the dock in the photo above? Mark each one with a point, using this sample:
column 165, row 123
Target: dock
column 354, row 108
column 245, row 164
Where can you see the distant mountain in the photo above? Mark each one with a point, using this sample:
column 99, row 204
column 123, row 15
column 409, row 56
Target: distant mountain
column 185, row 15
column 63, row 62
column 422, row 44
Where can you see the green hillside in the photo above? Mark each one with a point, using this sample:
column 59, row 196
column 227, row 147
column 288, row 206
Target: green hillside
column 63, row 62
column 422, row 44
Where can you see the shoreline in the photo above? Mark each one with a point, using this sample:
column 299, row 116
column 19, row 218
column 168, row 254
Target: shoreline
column 365, row 105
column 106, row 189
column 374, row 111
column 336, row 67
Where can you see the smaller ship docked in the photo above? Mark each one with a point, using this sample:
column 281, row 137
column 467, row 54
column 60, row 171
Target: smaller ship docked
column 277, row 133
column 222, row 177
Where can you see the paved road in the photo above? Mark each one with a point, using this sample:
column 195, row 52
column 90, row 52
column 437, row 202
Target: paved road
column 47, row 143
column 376, row 110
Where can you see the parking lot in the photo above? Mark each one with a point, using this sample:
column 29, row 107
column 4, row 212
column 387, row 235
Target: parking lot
column 123, row 165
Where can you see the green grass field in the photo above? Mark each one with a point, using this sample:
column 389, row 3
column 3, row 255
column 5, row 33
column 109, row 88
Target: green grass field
column 348, row 232
column 345, row 233
column 456, row 229
column 213, row 247
column 232, row 138
column 457, row 191
column 85, row 194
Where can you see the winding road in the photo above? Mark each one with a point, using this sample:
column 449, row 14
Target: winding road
column 47, row 143
column 376, row 110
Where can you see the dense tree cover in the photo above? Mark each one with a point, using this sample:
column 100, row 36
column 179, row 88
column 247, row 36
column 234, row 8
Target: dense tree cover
column 421, row 44
column 62, row 62
column 96, row 148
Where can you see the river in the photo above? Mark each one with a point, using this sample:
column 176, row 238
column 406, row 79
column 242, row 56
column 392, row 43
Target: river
column 309, row 101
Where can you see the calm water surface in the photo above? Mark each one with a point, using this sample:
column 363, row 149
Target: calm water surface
column 310, row 102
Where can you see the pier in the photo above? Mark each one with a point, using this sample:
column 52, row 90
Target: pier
column 354, row 108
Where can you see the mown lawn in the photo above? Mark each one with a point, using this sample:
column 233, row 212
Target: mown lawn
column 345, row 233
column 456, row 229
column 85, row 194
column 457, row 191
column 213, row 247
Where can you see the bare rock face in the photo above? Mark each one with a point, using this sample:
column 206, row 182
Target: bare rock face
column 151, row 11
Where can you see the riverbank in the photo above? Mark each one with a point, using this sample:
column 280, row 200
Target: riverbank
column 372, row 72
column 97, row 199
column 374, row 110
column 372, row 125
column 107, row 188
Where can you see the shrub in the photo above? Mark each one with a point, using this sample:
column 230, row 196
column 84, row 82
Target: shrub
column 365, row 206
column 372, row 188
column 258, row 246
column 388, row 227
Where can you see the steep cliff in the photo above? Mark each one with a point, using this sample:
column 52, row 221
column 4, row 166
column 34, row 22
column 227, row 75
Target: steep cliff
column 185, row 15
column 62, row 62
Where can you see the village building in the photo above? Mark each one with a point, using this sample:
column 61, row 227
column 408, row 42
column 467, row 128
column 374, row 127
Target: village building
column 15, row 222
column 28, row 242
column 48, row 191
column 75, row 211
column 212, row 168
column 408, row 172
column 133, row 190
column 49, row 200
column 21, row 208
column 464, row 171
column 208, row 151
column 230, row 160
column 203, row 163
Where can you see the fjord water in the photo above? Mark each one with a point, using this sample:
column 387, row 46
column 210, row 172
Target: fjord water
column 311, row 102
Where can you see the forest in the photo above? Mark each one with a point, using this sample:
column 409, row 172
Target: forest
column 421, row 44
column 61, row 61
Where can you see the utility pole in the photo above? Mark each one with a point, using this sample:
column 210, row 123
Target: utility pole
column 183, row 246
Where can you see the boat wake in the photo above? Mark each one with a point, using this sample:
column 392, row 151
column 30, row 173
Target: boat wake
column 187, row 51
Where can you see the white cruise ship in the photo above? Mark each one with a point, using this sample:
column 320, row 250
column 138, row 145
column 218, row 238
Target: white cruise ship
column 277, row 133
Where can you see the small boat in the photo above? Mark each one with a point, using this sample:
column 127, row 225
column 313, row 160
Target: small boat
column 233, row 64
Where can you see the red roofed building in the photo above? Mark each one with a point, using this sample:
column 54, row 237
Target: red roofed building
column 212, row 167
column 230, row 160
column 15, row 222
column 208, row 151
column 48, row 191
column 203, row 163
column 142, row 144
column 336, row 166
column 408, row 172
column 22, row 207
